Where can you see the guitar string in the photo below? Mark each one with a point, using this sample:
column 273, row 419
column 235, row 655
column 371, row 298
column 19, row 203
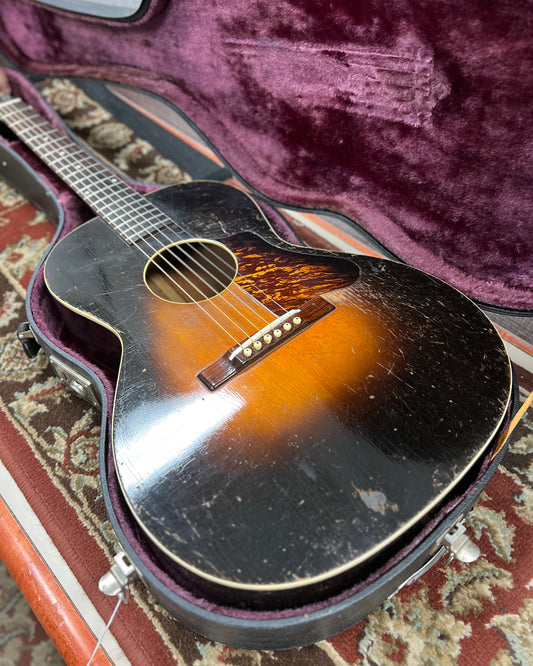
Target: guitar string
column 213, row 276
column 152, row 234
column 208, row 249
column 121, row 203
column 116, row 181
column 207, row 246
column 62, row 169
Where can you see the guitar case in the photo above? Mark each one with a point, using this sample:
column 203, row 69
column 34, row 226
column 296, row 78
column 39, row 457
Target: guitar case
column 408, row 121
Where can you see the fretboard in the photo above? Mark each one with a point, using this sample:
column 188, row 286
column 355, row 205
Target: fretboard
column 131, row 215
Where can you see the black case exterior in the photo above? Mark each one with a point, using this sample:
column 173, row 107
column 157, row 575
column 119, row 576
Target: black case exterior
column 235, row 626
column 308, row 626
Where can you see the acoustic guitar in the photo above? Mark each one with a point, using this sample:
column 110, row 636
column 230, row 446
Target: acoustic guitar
column 285, row 417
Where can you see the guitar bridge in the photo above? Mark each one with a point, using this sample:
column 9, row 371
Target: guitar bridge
column 264, row 342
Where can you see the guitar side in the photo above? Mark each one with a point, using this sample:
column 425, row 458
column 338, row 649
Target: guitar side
column 315, row 458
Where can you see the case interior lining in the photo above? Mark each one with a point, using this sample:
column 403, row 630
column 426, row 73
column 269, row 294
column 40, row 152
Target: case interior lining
column 411, row 118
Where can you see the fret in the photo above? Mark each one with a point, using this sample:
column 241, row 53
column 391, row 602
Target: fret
column 126, row 211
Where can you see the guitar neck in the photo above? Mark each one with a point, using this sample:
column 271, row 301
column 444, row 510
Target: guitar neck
column 127, row 212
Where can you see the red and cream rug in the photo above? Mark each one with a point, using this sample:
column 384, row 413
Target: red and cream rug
column 472, row 615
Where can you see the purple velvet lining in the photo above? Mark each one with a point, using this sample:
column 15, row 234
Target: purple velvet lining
column 58, row 329
column 411, row 117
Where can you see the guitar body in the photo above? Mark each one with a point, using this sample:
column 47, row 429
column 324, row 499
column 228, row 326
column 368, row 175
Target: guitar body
column 307, row 462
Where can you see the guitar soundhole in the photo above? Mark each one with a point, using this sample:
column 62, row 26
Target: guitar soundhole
column 191, row 272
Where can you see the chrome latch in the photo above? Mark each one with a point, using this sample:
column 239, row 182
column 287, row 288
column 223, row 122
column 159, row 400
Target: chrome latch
column 115, row 583
column 27, row 339
column 75, row 381
column 421, row 571
column 459, row 545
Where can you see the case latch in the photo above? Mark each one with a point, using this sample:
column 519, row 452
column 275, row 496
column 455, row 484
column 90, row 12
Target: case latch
column 75, row 381
column 115, row 583
column 459, row 545
column 27, row 339
column 456, row 544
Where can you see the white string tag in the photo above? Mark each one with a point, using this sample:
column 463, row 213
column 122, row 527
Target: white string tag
column 119, row 601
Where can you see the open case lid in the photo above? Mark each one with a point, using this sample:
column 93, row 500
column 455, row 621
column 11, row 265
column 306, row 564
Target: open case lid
column 314, row 619
column 410, row 119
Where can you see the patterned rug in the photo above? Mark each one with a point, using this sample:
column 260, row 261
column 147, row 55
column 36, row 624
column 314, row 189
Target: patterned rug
column 472, row 615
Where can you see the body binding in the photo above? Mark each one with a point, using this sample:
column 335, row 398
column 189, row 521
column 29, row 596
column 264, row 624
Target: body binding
column 323, row 454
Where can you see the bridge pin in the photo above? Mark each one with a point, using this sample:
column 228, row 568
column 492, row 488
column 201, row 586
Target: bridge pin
column 297, row 320
column 287, row 326
column 267, row 338
column 277, row 333
column 247, row 352
column 257, row 345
